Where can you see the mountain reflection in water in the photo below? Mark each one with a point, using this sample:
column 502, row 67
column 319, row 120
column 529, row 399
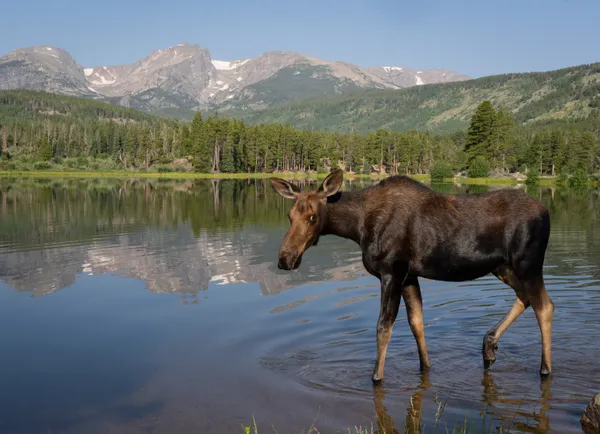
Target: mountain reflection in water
column 94, row 272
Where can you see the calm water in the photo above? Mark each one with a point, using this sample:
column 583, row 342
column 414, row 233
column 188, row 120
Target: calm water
column 132, row 306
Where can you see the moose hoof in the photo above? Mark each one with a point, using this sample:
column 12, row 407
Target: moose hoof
column 376, row 379
column 489, row 351
column 488, row 363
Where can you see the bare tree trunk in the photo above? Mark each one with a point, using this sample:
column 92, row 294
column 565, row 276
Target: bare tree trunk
column 123, row 160
column 4, row 142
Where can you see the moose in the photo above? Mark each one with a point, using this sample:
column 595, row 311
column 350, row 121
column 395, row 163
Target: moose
column 406, row 230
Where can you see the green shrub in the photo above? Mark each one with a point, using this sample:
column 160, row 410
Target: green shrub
column 163, row 168
column 533, row 177
column 179, row 168
column 45, row 151
column 82, row 162
column 563, row 179
column 42, row 165
column 579, row 179
column 441, row 170
column 479, row 168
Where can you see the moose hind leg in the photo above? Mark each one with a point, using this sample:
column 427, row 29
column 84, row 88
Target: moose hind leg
column 544, row 311
column 490, row 341
column 411, row 292
column 390, row 303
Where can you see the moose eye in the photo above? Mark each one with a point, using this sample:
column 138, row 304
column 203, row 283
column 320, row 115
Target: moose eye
column 313, row 218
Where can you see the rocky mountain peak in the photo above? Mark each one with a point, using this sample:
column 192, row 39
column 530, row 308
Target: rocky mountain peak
column 186, row 76
column 42, row 68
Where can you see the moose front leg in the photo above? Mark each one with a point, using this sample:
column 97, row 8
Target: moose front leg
column 390, row 303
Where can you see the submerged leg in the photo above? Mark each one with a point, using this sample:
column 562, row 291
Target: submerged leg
column 390, row 303
column 544, row 311
column 490, row 341
column 411, row 292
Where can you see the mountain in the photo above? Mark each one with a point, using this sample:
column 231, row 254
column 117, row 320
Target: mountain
column 43, row 68
column 186, row 77
column 568, row 94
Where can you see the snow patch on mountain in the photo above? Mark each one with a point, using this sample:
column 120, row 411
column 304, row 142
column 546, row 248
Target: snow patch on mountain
column 223, row 65
column 102, row 78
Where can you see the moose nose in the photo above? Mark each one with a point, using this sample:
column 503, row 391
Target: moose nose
column 286, row 261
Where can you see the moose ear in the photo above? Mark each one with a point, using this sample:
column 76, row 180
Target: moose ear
column 332, row 183
column 284, row 188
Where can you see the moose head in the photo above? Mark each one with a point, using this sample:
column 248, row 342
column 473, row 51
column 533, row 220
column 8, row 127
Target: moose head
column 307, row 216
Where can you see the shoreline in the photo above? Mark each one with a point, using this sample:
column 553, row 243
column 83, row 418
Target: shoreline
column 252, row 175
column 121, row 174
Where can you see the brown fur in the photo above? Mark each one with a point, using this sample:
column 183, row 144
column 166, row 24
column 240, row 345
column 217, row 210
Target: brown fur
column 406, row 231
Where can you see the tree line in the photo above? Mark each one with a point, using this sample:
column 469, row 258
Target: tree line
column 48, row 128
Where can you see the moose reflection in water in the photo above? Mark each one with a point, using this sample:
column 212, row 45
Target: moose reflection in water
column 537, row 419
column 406, row 231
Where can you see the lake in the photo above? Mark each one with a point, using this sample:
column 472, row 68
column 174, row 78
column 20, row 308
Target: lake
column 157, row 306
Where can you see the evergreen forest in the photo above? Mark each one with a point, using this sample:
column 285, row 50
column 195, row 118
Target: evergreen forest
column 43, row 131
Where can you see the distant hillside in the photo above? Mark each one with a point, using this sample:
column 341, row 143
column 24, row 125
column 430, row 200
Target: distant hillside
column 569, row 94
column 22, row 106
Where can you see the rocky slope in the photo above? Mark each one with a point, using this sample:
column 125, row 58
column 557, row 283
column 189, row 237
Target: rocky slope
column 185, row 76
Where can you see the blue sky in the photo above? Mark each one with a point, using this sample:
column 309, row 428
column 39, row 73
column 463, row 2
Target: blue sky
column 473, row 37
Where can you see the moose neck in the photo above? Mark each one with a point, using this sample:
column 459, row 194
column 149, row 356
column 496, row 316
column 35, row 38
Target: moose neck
column 343, row 217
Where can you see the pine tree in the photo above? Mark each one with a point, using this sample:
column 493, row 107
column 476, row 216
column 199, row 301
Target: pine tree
column 45, row 152
column 582, row 152
column 502, row 138
column 200, row 148
column 533, row 158
column 227, row 161
column 480, row 131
